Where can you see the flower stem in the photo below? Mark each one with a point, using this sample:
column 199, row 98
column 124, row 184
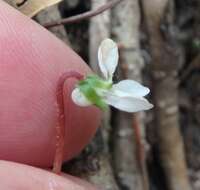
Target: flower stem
column 60, row 127
column 140, row 152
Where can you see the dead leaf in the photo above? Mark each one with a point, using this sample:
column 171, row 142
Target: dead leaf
column 31, row 7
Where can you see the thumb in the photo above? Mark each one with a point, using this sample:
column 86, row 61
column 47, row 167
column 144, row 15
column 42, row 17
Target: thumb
column 18, row 177
column 32, row 60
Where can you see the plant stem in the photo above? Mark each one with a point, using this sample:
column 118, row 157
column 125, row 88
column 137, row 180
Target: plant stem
column 60, row 127
column 140, row 152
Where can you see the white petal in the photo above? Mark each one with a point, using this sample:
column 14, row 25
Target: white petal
column 79, row 99
column 108, row 57
column 128, row 104
column 130, row 88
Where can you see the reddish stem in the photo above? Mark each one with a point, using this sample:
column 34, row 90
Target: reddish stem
column 60, row 127
column 140, row 152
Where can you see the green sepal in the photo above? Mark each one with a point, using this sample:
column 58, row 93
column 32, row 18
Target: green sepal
column 87, row 87
column 96, row 82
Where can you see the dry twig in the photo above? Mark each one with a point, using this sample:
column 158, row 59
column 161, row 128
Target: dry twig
column 164, row 71
column 83, row 16
column 125, row 29
column 100, row 25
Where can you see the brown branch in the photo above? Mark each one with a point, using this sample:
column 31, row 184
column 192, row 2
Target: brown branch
column 164, row 46
column 98, row 25
column 83, row 16
column 125, row 29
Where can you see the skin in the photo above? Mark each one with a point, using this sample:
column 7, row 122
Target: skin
column 31, row 62
column 22, row 177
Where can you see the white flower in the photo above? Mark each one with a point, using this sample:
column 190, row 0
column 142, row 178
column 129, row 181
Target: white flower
column 127, row 95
